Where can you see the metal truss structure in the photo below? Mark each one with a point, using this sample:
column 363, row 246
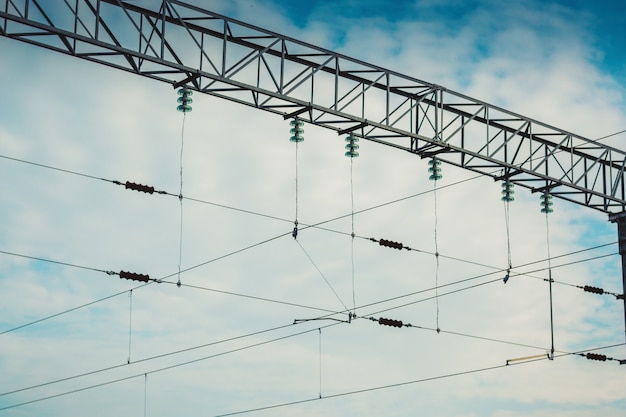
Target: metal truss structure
column 184, row 45
column 181, row 44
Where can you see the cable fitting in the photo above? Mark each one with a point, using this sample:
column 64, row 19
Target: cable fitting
column 294, row 233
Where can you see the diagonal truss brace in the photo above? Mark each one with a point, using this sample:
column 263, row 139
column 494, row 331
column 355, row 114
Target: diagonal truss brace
column 178, row 43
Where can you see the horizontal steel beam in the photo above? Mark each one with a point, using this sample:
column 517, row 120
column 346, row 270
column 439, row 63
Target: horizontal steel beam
column 182, row 44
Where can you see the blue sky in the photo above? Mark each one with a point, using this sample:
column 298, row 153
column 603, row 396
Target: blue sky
column 558, row 62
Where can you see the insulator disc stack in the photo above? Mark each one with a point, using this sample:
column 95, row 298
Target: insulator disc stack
column 507, row 191
column 296, row 130
column 184, row 100
column 546, row 203
column 352, row 146
column 435, row 169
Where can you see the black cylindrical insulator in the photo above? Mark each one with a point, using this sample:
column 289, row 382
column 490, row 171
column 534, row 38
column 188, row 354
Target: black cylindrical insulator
column 139, row 187
column 134, row 277
column 596, row 357
column 594, row 290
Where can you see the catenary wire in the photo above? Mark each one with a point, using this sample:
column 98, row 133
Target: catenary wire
column 497, row 270
column 108, row 180
column 306, row 226
column 239, row 337
column 166, row 368
column 399, row 384
column 253, row 297
column 316, row 225
column 71, row 309
column 333, row 312
column 150, row 358
column 611, row 135
column 53, row 261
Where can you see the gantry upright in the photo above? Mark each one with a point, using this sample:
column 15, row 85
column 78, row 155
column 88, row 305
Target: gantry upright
column 182, row 44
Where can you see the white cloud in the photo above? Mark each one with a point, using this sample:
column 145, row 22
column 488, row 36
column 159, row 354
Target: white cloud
column 94, row 120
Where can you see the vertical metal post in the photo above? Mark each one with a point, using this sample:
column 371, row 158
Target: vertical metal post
column 620, row 219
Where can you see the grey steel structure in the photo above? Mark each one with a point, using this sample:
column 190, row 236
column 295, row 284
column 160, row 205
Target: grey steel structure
column 182, row 44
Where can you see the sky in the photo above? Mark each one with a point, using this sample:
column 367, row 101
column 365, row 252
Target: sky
column 250, row 329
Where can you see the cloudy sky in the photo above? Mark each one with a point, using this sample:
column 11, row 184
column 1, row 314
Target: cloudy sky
column 254, row 329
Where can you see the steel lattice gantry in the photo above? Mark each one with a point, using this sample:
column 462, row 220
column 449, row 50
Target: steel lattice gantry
column 182, row 44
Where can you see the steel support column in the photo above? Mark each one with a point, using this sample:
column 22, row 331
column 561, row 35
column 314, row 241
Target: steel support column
column 620, row 219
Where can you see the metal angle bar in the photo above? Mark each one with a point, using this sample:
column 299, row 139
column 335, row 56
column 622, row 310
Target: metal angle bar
column 551, row 151
column 45, row 16
column 77, row 19
column 407, row 111
column 250, row 57
column 618, row 179
column 101, row 23
column 425, row 115
column 361, row 94
column 464, row 124
column 353, row 128
column 164, row 43
column 313, row 72
column 294, row 78
column 192, row 77
column 297, row 113
column 587, row 170
column 572, row 166
column 139, row 32
column 271, row 74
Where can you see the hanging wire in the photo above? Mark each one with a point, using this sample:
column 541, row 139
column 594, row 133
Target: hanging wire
column 352, row 152
column 184, row 107
column 546, row 203
column 130, row 322
column 168, row 367
column 352, row 235
column 320, row 358
column 435, row 174
column 297, row 131
column 145, row 394
column 507, row 197
column 322, row 275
